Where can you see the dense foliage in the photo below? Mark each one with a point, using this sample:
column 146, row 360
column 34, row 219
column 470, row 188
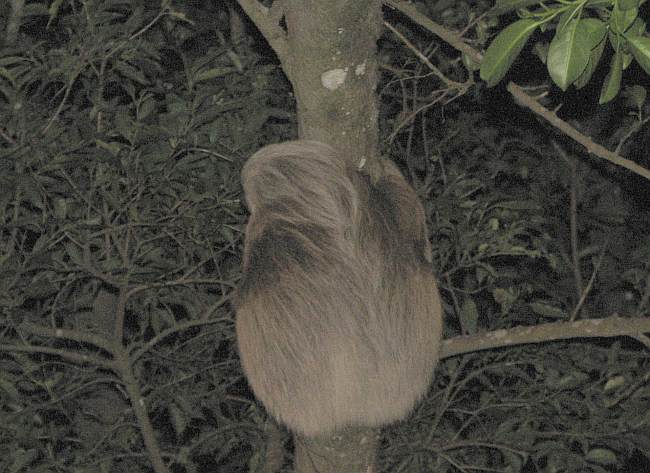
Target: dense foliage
column 123, row 128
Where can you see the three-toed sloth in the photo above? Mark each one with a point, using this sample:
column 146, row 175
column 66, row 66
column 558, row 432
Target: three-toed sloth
column 338, row 313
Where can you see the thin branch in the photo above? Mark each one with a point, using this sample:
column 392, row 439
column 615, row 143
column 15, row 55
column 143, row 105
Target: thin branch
column 593, row 328
column 124, row 366
column 79, row 358
column 76, row 335
column 449, row 37
column 425, row 60
column 590, row 284
column 592, row 147
column 573, row 225
column 179, row 327
column 456, row 41
column 267, row 21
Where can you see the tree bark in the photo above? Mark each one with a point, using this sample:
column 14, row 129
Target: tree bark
column 347, row 451
column 328, row 52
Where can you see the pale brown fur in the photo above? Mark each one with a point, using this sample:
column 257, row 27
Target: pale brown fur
column 338, row 313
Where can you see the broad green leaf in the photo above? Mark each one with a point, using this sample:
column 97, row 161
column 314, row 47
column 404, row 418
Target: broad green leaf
column 504, row 49
column 568, row 16
column 640, row 48
column 620, row 20
column 637, row 28
column 594, row 58
column 627, row 4
column 612, row 83
column 569, row 52
column 595, row 30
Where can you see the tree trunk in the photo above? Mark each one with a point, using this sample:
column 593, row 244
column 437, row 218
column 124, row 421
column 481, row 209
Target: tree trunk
column 347, row 451
column 332, row 66
column 328, row 52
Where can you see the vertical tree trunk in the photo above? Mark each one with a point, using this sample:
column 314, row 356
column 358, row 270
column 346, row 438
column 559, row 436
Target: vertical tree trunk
column 347, row 451
column 332, row 65
column 328, row 51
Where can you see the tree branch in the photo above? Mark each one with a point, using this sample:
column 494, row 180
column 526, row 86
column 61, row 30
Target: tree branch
column 451, row 38
column 76, row 335
column 267, row 21
column 79, row 358
column 593, row 328
column 592, row 147
column 456, row 41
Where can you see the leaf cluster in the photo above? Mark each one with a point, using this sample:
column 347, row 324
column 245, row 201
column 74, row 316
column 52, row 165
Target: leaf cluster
column 582, row 28
column 499, row 198
column 124, row 126
column 560, row 407
column 501, row 225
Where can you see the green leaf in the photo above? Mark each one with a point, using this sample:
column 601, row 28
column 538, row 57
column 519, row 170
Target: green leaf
column 620, row 20
column 594, row 58
column 640, row 48
column 505, row 297
column 504, row 49
column 628, row 4
column 595, row 30
column 130, row 72
column 612, row 83
column 569, row 51
column 546, row 310
column 637, row 28
column 614, row 383
column 602, row 456
column 213, row 73
column 468, row 316
column 145, row 107
column 74, row 253
column 570, row 15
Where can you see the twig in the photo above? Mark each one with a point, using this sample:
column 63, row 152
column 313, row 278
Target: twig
column 592, row 147
column 590, row 284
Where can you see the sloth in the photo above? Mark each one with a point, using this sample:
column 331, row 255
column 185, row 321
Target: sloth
column 339, row 317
